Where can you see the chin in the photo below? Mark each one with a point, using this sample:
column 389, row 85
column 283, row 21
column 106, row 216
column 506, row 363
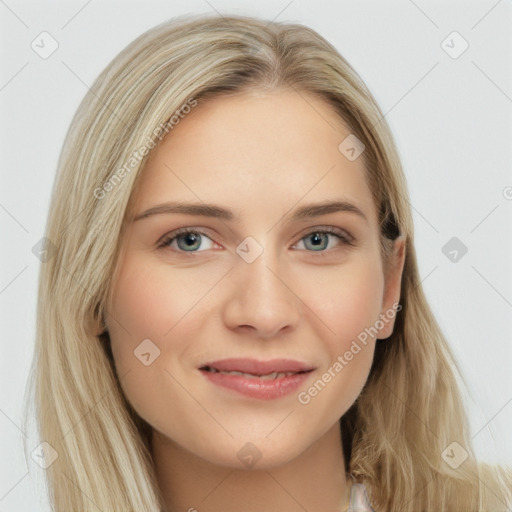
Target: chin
column 252, row 455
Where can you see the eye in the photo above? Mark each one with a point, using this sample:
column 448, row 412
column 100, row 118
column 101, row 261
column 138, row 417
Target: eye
column 318, row 240
column 187, row 240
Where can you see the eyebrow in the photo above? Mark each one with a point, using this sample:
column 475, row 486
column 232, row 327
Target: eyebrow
column 214, row 211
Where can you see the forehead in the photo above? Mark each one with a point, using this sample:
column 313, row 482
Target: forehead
column 271, row 149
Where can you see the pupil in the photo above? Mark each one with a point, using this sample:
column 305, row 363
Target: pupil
column 317, row 239
column 190, row 240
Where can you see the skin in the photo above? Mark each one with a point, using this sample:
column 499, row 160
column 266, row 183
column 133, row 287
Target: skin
column 260, row 155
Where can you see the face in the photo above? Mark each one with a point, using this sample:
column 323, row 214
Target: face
column 259, row 285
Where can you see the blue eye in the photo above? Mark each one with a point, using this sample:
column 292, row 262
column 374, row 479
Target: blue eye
column 320, row 239
column 189, row 240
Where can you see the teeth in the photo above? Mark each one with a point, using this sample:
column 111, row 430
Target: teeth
column 269, row 376
column 272, row 375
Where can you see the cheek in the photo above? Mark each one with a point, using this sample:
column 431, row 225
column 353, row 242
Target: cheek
column 163, row 305
column 155, row 301
column 346, row 301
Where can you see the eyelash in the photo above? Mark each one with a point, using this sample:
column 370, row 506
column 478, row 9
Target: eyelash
column 340, row 234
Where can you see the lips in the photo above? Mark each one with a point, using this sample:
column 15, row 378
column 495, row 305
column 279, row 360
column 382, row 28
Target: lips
column 257, row 379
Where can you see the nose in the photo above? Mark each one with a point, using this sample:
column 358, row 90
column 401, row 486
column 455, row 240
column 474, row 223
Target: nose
column 262, row 300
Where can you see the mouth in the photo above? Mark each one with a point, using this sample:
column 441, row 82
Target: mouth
column 268, row 376
column 257, row 379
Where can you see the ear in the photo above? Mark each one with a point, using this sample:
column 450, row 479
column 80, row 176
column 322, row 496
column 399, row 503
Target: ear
column 96, row 326
column 392, row 284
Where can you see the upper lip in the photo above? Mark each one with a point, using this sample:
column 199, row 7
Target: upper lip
column 256, row 367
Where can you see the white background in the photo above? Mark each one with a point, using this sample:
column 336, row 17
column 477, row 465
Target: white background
column 452, row 120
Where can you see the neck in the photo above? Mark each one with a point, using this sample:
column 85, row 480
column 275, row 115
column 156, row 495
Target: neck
column 314, row 481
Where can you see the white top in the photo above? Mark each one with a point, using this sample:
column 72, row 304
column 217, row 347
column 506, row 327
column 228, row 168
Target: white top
column 359, row 501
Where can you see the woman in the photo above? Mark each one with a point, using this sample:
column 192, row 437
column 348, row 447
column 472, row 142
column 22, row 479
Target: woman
column 231, row 317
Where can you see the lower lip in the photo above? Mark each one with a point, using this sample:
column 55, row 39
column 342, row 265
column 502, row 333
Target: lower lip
column 256, row 387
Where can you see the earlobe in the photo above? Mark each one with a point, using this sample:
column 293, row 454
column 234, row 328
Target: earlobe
column 97, row 326
column 393, row 282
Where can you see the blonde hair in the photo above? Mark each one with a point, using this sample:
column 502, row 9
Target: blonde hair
column 410, row 409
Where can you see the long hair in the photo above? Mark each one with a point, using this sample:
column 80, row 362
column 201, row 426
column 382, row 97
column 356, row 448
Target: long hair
column 399, row 431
